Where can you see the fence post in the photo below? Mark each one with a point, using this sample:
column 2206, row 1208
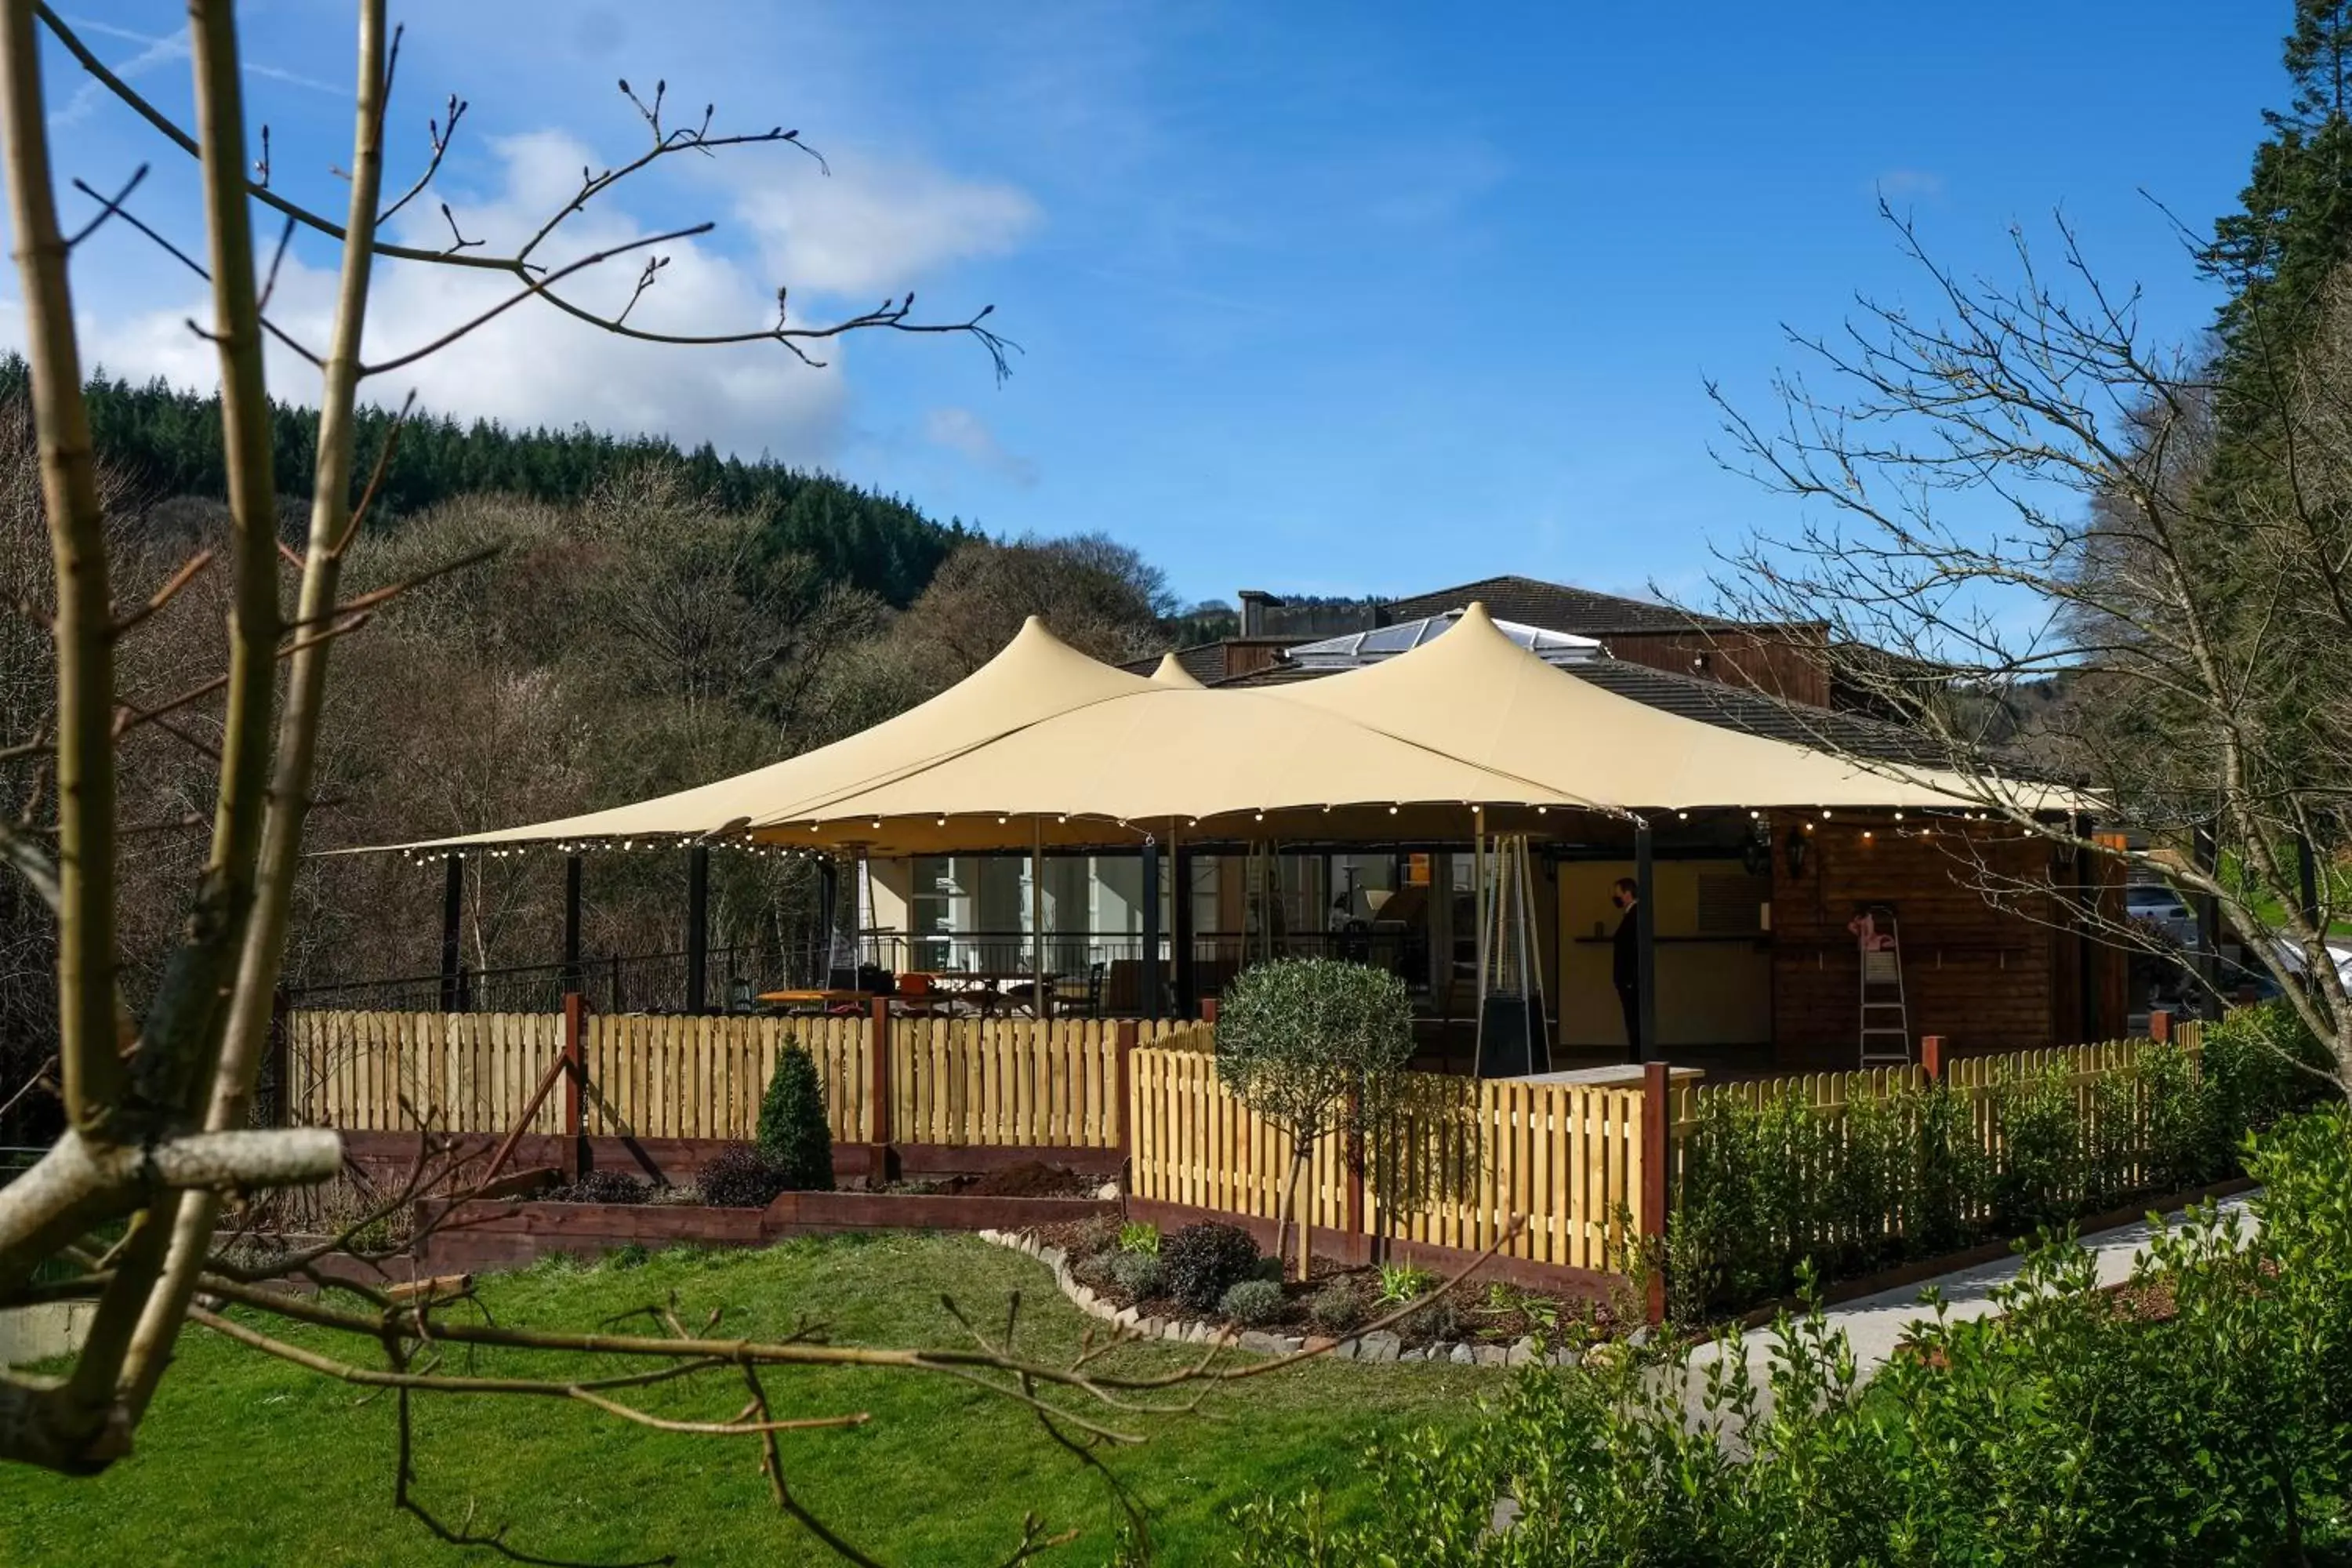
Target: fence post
column 1126, row 1118
column 2159, row 1025
column 1353, row 1151
column 575, row 1082
column 878, row 1094
column 1656, row 1132
column 1931, row 1056
column 281, row 1078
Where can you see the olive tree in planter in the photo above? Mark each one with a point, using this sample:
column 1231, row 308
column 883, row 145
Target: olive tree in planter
column 1314, row 1046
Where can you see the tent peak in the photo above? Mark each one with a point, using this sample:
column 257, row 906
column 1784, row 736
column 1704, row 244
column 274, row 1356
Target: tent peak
column 1171, row 673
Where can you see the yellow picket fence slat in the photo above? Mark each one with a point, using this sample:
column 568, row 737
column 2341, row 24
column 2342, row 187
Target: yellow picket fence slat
column 1460, row 1163
column 1001, row 1082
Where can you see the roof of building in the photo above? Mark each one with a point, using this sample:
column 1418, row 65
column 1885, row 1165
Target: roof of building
column 1735, row 708
column 1580, row 611
column 1353, row 648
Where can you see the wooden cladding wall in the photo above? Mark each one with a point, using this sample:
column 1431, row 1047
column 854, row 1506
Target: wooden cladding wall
column 1462, row 1160
column 1983, row 978
column 1792, row 664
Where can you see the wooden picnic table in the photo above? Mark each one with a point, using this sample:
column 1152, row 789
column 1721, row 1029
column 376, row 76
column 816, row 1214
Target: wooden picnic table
column 985, row 987
column 821, row 998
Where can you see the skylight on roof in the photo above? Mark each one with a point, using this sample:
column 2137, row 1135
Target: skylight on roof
column 1356, row 648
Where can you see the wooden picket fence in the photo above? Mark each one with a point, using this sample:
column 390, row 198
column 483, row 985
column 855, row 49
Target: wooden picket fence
column 997, row 1082
column 381, row 1072
column 2113, row 1104
column 1461, row 1161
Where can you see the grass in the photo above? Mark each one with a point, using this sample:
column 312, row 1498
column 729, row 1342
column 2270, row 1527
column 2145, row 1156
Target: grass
column 245, row 1459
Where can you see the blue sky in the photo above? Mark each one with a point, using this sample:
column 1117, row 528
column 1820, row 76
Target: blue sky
column 1330, row 298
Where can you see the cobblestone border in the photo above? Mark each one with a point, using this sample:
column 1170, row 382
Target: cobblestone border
column 1379, row 1345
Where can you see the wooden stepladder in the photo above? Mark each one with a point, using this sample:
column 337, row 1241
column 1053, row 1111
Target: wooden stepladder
column 1885, row 1016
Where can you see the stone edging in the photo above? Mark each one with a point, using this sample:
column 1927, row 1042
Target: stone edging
column 1381, row 1345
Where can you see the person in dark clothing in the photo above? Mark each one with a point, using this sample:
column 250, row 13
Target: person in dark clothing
column 1626, row 961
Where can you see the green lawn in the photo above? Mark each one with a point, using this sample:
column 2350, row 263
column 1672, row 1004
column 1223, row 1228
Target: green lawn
column 246, row 1460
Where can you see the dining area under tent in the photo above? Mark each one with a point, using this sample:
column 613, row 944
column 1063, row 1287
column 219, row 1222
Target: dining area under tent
column 1052, row 834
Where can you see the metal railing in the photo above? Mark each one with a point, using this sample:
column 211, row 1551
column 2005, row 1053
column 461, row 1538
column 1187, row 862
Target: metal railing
column 614, row 982
column 1094, row 971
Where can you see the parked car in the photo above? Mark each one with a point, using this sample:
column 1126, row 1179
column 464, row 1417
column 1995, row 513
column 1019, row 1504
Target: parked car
column 2154, row 904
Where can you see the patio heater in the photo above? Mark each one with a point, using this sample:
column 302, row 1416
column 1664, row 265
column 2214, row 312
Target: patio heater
column 1514, row 1035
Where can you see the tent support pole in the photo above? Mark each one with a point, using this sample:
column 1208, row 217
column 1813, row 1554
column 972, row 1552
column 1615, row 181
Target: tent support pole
column 828, row 893
column 1188, row 980
column 1037, row 917
column 571, row 977
column 1645, row 944
column 452, row 912
column 1149, row 993
column 698, row 928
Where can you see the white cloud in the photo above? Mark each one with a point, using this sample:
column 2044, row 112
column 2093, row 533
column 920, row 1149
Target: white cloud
column 535, row 364
column 1896, row 184
column 961, row 431
column 876, row 227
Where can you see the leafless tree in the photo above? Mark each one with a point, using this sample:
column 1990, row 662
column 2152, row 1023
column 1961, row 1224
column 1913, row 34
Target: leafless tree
column 2021, row 539
column 158, row 1153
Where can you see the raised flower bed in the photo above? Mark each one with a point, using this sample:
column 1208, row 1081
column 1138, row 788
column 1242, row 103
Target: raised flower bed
column 1115, row 1272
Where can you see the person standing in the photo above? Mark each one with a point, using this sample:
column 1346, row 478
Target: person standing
column 1625, row 962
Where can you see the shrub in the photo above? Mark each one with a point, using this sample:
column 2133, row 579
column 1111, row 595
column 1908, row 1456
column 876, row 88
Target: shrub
column 793, row 1133
column 1205, row 1260
column 1095, row 1233
column 2260, row 1064
column 2040, row 1152
column 1401, row 1282
column 741, row 1176
column 1253, row 1302
column 1094, row 1269
column 2062, row 1428
column 1139, row 1237
column 1314, row 1046
column 1139, row 1274
column 604, row 1187
column 1435, row 1320
column 1337, row 1308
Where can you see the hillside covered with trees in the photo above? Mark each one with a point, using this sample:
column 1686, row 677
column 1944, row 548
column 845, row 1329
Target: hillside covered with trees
column 639, row 619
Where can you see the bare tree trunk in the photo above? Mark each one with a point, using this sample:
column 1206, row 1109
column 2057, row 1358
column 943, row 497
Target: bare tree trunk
column 84, row 874
column 296, row 750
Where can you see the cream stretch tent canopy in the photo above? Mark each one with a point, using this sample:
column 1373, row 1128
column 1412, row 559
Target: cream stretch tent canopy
column 1043, row 731
column 1036, row 676
column 1042, row 745
column 1474, row 694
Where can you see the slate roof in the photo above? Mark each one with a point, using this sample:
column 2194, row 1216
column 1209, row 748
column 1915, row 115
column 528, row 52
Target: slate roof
column 1713, row 702
column 1557, row 605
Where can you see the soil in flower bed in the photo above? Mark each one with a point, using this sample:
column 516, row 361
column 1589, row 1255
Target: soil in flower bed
column 1029, row 1179
column 1474, row 1311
